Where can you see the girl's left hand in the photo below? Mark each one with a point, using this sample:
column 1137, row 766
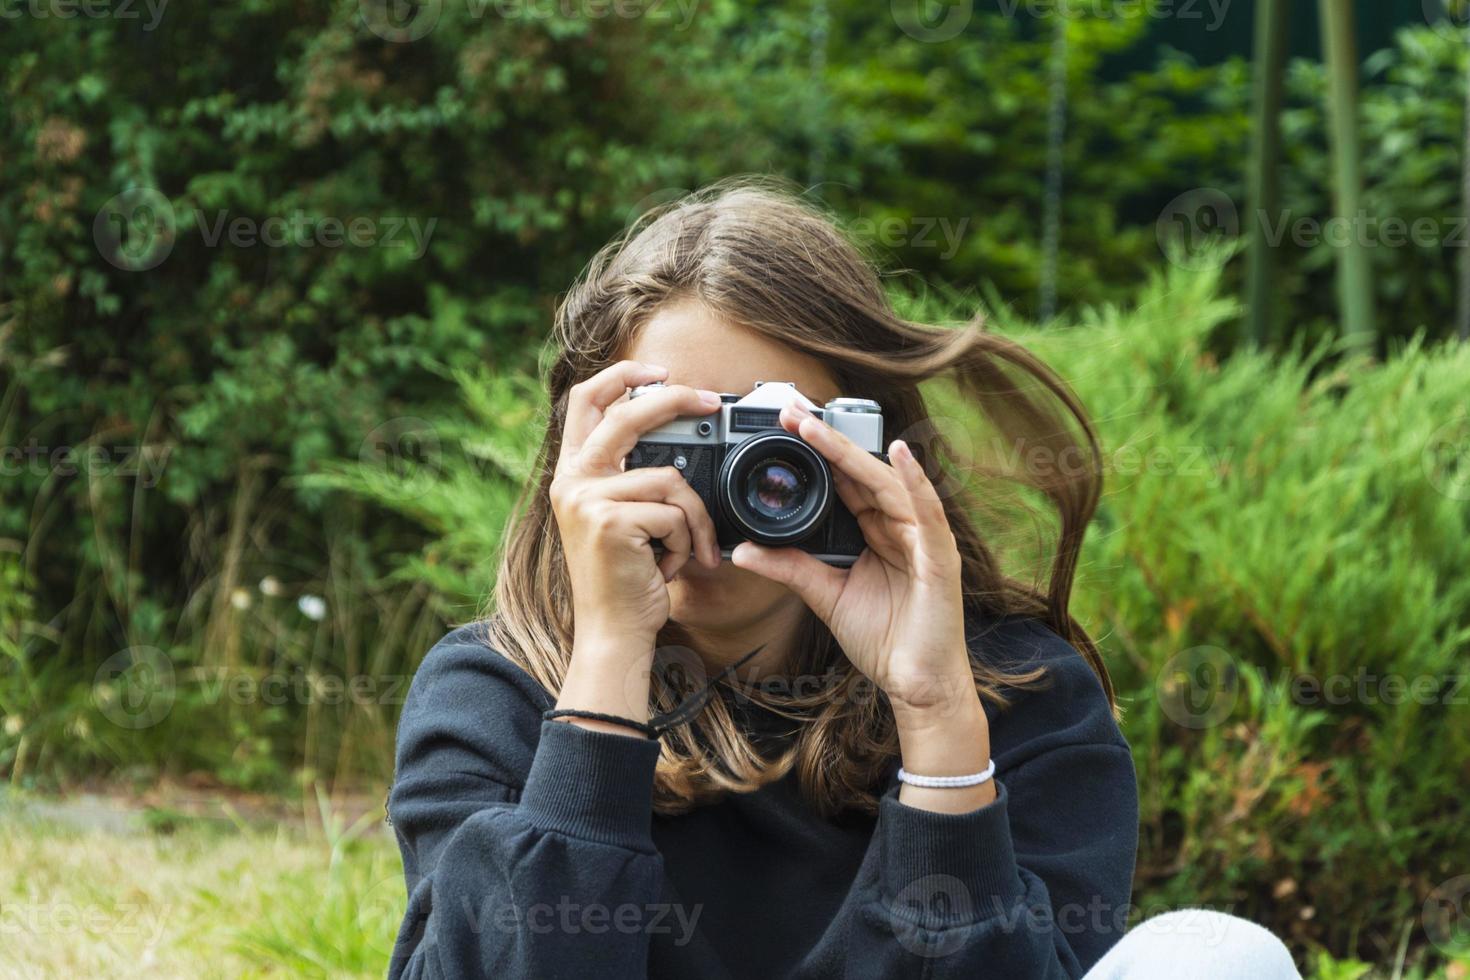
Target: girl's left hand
column 897, row 612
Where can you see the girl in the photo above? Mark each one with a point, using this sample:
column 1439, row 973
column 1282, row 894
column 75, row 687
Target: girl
column 917, row 772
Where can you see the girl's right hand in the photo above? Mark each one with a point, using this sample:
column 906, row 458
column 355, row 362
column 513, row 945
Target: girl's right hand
column 608, row 517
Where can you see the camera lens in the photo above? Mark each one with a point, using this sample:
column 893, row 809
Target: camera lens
column 774, row 488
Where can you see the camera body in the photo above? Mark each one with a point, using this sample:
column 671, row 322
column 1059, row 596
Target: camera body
column 759, row 482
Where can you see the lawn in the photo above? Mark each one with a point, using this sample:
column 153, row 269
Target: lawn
column 96, row 892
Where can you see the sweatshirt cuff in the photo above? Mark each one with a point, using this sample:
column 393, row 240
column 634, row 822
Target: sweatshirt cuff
column 592, row 785
column 948, row 869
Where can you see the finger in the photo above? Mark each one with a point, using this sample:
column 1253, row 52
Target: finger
column 923, row 497
column 589, row 398
column 877, row 527
column 814, row 581
column 856, row 496
column 660, row 522
column 625, row 423
column 929, row 515
column 861, row 466
column 884, row 536
column 667, row 485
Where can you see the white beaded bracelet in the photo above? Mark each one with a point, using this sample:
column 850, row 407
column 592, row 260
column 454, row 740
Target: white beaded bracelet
column 946, row 782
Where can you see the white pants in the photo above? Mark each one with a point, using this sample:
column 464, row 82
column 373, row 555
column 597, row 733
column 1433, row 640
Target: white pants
column 1200, row 944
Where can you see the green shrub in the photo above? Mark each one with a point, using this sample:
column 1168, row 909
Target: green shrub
column 1278, row 575
column 162, row 403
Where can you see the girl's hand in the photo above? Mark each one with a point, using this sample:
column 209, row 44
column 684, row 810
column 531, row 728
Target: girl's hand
column 897, row 612
column 607, row 518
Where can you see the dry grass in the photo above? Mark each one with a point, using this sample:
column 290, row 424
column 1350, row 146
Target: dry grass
column 199, row 901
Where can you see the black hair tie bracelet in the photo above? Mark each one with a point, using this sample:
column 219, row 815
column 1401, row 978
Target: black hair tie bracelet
column 658, row 724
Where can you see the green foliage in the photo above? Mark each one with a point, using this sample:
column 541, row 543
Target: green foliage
column 1412, row 126
column 1277, row 573
column 167, row 397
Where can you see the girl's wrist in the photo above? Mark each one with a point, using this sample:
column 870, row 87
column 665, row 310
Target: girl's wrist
column 953, row 743
column 603, row 639
column 949, row 741
column 609, row 675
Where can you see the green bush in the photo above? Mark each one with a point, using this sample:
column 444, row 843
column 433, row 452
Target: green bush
column 1278, row 576
column 166, row 395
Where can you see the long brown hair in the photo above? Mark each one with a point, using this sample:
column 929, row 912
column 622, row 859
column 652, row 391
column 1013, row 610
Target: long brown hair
column 760, row 256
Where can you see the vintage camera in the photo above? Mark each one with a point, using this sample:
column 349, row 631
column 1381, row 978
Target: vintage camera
column 759, row 482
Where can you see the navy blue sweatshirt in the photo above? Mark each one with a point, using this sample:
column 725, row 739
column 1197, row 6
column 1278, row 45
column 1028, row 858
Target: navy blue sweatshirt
column 531, row 849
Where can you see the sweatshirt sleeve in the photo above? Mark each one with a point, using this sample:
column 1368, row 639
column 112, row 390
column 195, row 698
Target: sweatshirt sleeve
column 526, row 844
column 970, row 894
column 1036, row 884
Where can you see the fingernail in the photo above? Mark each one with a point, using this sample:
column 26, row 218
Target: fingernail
column 710, row 398
column 800, row 410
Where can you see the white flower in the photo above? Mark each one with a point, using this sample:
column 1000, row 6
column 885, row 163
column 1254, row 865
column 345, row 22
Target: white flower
column 13, row 725
column 313, row 607
column 240, row 599
column 270, row 585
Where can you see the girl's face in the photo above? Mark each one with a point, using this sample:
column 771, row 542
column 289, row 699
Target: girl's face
column 702, row 350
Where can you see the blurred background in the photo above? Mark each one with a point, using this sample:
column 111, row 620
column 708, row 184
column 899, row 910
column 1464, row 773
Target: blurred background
column 275, row 279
